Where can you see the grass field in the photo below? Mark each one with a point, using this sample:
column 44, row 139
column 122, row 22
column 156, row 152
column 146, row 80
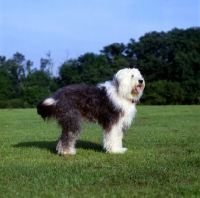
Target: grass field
column 163, row 157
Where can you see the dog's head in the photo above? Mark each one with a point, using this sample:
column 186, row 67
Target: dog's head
column 129, row 83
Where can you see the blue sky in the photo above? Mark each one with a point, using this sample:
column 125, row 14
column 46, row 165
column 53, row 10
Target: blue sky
column 70, row 28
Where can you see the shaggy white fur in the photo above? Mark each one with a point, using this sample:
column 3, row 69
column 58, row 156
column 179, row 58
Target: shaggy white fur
column 125, row 89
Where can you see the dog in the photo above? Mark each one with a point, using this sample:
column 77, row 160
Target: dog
column 111, row 104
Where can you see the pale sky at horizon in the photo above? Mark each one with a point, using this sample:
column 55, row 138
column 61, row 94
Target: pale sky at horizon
column 69, row 29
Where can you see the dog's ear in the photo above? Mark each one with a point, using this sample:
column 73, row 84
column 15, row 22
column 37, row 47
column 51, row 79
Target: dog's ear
column 115, row 81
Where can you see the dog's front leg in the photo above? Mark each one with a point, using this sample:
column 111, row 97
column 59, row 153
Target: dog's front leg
column 112, row 140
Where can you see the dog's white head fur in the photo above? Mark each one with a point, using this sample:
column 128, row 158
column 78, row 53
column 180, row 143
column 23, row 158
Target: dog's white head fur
column 129, row 83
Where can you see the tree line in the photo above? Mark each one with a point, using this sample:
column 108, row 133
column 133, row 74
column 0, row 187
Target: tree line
column 169, row 62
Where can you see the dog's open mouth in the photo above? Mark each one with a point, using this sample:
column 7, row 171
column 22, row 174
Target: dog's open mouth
column 137, row 89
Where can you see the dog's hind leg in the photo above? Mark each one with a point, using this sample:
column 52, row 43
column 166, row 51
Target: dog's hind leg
column 71, row 127
column 66, row 143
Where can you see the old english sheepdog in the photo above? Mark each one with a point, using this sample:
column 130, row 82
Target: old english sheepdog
column 111, row 104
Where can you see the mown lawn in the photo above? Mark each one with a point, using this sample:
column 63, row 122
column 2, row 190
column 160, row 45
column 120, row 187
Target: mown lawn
column 163, row 157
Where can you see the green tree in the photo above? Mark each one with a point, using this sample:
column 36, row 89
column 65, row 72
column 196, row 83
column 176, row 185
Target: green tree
column 35, row 87
column 94, row 69
column 5, row 85
column 89, row 68
column 29, row 64
column 113, row 50
column 116, row 56
column 46, row 64
column 15, row 70
column 69, row 73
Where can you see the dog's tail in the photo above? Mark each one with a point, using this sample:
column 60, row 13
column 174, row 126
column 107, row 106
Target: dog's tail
column 46, row 108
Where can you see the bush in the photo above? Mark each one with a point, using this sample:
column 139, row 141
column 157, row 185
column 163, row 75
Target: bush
column 3, row 104
column 162, row 93
column 14, row 103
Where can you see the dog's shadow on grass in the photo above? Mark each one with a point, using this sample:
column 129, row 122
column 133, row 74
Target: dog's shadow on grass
column 51, row 145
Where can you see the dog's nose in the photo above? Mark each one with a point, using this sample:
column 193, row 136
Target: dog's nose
column 140, row 81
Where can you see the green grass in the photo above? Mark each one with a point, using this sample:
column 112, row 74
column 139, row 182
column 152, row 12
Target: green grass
column 163, row 157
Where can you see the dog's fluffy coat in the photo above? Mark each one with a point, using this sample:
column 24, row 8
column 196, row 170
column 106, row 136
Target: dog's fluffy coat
column 110, row 104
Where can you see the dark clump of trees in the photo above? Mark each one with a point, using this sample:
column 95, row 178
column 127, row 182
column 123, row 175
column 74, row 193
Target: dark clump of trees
column 169, row 62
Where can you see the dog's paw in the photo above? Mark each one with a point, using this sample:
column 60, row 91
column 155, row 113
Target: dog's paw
column 117, row 150
column 66, row 152
column 124, row 150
